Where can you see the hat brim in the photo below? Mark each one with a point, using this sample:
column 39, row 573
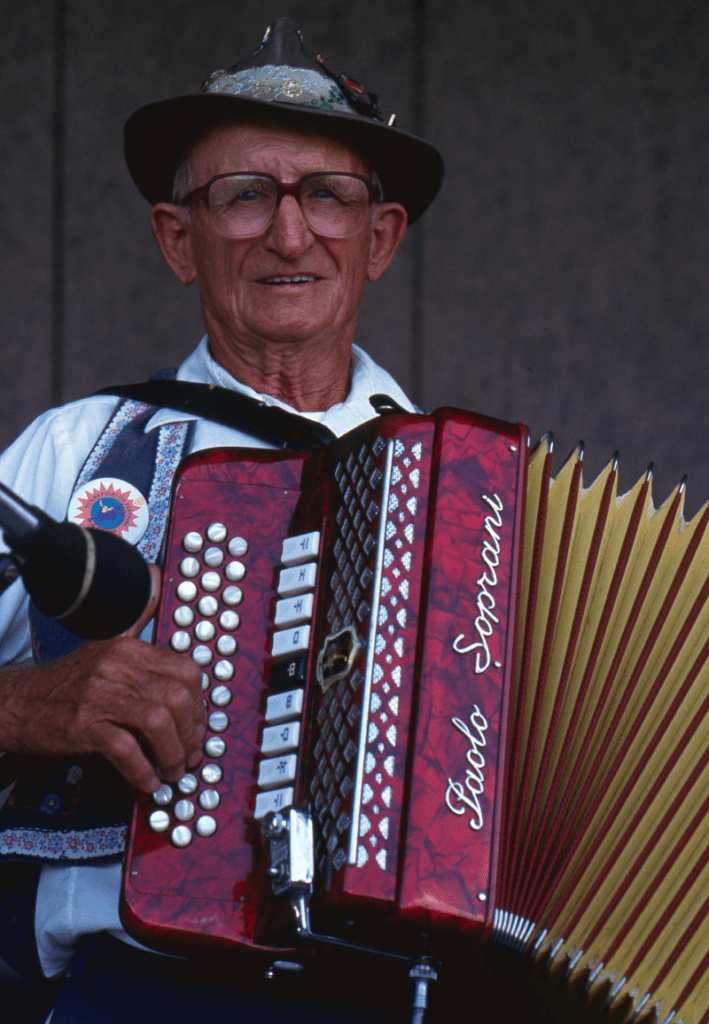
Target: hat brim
column 157, row 136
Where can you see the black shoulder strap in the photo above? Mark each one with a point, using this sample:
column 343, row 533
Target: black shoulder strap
column 270, row 423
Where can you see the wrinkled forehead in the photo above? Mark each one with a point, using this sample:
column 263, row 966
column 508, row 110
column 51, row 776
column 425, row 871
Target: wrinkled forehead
column 274, row 149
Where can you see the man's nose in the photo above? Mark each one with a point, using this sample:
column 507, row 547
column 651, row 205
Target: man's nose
column 289, row 234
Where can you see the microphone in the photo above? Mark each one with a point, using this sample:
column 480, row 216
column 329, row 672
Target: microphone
column 92, row 582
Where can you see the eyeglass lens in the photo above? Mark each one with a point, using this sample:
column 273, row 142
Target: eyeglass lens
column 333, row 204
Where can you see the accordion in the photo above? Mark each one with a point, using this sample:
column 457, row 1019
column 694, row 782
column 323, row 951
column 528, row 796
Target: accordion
column 453, row 701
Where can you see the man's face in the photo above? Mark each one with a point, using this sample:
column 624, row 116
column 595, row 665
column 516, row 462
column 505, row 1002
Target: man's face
column 286, row 285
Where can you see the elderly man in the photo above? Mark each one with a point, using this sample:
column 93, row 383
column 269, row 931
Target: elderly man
column 280, row 191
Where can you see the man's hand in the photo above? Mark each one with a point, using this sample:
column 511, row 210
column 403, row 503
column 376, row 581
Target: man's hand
column 138, row 705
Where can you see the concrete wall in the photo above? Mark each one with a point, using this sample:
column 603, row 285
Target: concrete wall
column 559, row 279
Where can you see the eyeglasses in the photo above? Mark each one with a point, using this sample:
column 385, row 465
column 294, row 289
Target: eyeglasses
column 242, row 205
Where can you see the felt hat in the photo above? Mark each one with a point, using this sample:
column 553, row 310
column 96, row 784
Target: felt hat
column 280, row 84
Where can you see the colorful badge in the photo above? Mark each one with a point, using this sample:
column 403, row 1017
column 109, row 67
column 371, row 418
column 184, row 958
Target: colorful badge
column 113, row 505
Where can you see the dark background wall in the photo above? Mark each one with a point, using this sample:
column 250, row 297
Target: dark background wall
column 560, row 278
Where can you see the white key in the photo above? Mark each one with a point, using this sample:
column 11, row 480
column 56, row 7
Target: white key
column 273, row 801
column 298, row 579
column 282, row 706
column 290, row 641
column 301, row 548
column 274, row 771
column 293, row 610
column 279, row 738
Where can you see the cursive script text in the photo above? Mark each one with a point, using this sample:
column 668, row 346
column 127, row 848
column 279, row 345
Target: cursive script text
column 460, row 795
column 486, row 618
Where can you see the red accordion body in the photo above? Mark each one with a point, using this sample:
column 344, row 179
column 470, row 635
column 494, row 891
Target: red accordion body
column 359, row 670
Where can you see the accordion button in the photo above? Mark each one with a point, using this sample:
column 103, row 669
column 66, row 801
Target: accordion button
column 202, row 655
column 180, row 641
column 205, row 825
column 279, row 738
column 189, row 567
column 211, row 581
column 276, row 770
column 293, row 610
column 232, row 596
column 215, row 746
column 187, row 591
column 298, row 579
column 226, row 646
column 217, row 533
column 187, row 784
column 288, row 641
column 208, row 606
column 212, row 774
column 205, row 631
column 301, row 548
column 229, row 621
column 234, row 571
column 183, row 616
column 223, row 671
column 218, row 721
column 237, row 547
column 192, row 542
column 208, row 800
column 282, row 706
column 184, row 810
column 163, row 796
column 221, row 696
column 205, row 682
column 181, row 836
column 159, row 821
column 275, row 800
column 213, row 557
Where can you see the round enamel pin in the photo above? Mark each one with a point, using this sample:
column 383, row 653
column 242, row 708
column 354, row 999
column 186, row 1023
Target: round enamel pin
column 113, row 505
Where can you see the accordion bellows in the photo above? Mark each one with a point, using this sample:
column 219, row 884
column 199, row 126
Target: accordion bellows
column 538, row 781
column 605, row 871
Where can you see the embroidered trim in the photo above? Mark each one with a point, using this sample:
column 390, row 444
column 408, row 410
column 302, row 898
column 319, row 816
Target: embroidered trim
column 126, row 412
column 84, row 845
column 169, row 454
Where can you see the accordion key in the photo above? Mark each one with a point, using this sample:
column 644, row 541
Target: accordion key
column 353, row 615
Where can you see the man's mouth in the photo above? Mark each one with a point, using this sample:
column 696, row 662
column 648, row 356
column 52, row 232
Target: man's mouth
column 292, row 279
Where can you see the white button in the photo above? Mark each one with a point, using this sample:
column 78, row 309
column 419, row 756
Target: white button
column 298, row 579
column 221, row 696
column 223, row 671
column 211, row 581
column 276, row 800
column 205, row 682
column 235, row 571
column 180, row 641
column 184, row 810
column 237, row 547
column 289, row 641
column 187, row 591
column 181, row 836
column 213, row 557
column 159, row 821
column 205, row 825
column 189, row 567
column 226, row 645
column 218, row 722
column 274, row 771
column 204, row 631
column 216, row 533
column 279, row 738
column 282, row 706
column 192, row 542
column 187, row 784
column 208, row 799
column 202, row 655
column 212, row 774
column 301, row 548
column 215, row 746
column 229, row 620
column 163, row 796
column 232, row 596
column 183, row 616
column 208, row 606
column 293, row 610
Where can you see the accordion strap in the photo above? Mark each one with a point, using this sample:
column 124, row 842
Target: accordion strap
column 271, row 424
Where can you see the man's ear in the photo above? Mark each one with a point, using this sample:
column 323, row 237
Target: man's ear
column 388, row 230
column 170, row 225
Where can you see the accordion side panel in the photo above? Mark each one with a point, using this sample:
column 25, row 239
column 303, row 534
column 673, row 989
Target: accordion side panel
column 466, row 662
column 178, row 897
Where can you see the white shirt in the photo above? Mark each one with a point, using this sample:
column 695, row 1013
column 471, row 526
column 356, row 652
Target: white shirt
column 42, row 466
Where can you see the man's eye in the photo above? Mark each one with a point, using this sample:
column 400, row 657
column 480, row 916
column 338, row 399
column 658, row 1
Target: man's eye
column 249, row 195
